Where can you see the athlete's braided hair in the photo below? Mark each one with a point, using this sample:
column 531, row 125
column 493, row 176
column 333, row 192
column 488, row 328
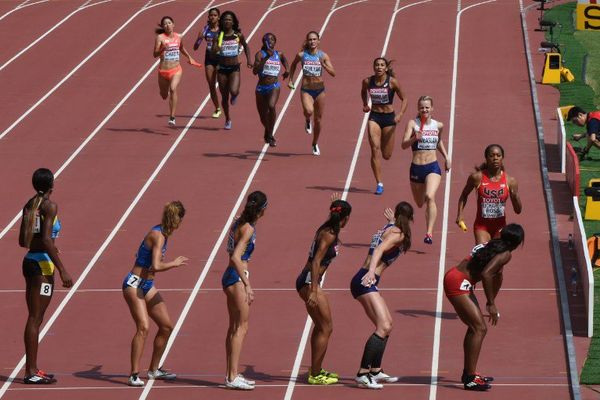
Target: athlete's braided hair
column 511, row 237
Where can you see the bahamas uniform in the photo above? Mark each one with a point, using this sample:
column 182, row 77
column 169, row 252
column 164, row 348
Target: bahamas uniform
column 312, row 67
column 271, row 68
column 430, row 137
column 230, row 48
column 143, row 258
column 356, row 286
column 231, row 276
column 171, row 53
column 381, row 96
column 39, row 262
column 491, row 204
column 305, row 276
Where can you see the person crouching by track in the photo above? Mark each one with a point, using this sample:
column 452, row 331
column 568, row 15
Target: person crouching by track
column 386, row 245
column 424, row 135
column 144, row 300
column 167, row 46
column 323, row 250
column 381, row 88
column 210, row 33
column 486, row 264
column 236, row 285
column 312, row 91
column 228, row 71
column 591, row 120
column 267, row 65
column 493, row 186
column 39, row 228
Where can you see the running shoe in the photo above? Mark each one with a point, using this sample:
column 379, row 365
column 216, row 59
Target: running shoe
column 329, row 374
column 43, row 373
column 365, row 381
column 315, row 150
column 578, row 136
column 307, row 127
column 217, row 113
column 161, row 374
column 38, row 379
column 248, row 381
column 476, row 383
column 428, row 239
column 382, row 377
column 134, row 380
column 486, row 379
column 238, row 383
column 379, row 190
column 171, row 121
column 272, row 142
column 321, row 379
column 233, row 99
column 228, row 124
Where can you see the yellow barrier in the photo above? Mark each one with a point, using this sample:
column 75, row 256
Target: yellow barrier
column 592, row 200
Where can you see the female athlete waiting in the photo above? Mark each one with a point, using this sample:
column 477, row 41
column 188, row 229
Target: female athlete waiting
column 493, row 186
column 167, row 46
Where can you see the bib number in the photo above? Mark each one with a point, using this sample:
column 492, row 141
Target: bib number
column 271, row 68
column 465, row 285
column 230, row 48
column 379, row 95
column 492, row 210
column 37, row 225
column 311, row 68
column 134, row 281
column 46, row 289
column 171, row 55
column 308, row 279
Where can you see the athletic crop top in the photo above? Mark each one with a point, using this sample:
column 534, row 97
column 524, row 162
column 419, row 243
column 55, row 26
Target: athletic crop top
column 272, row 65
column 430, row 135
column 231, row 243
column 381, row 95
column 389, row 256
column 491, row 196
column 210, row 37
column 143, row 258
column 330, row 253
column 171, row 50
column 37, row 226
column 230, row 45
column 311, row 63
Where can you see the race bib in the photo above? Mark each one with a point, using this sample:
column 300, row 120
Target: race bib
column 133, row 281
column 429, row 141
column 230, row 48
column 492, row 210
column 37, row 225
column 171, row 55
column 46, row 289
column 272, row 68
column 379, row 95
column 465, row 285
column 311, row 68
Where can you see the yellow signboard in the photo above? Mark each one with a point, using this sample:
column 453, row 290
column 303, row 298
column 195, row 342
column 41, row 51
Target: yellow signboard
column 588, row 15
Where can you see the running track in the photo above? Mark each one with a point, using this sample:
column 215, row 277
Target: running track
column 117, row 182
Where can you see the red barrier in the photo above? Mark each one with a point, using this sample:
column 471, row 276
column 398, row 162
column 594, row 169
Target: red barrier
column 572, row 170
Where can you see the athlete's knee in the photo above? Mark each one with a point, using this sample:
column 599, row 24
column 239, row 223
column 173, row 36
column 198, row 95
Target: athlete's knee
column 166, row 329
column 308, row 114
column 142, row 329
column 479, row 328
column 386, row 327
column 429, row 199
column 164, row 94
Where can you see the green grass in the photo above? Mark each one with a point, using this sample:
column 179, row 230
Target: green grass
column 574, row 45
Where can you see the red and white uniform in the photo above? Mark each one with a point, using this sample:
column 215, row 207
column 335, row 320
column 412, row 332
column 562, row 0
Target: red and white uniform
column 491, row 203
column 457, row 283
column 170, row 50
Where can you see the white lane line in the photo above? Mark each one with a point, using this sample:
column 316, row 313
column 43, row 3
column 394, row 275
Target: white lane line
column 152, row 68
column 112, row 234
column 307, row 325
column 78, row 66
column 82, row 7
column 19, row 7
column 218, row 244
column 442, row 264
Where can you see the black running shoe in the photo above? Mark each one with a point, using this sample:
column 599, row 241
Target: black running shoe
column 476, row 383
column 38, row 379
column 486, row 379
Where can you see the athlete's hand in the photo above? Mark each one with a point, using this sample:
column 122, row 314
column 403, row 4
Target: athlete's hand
column 285, row 75
column 312, row 300
column 249, row 294
column 291, row 85
column 448, row 165
column 366, row 108
column 249, row 65
column 461, row 224
column 368, row 280
column 389, row 215
column 180, row 261
column 494, row 314
column 336, row 196
column 66, row 279
column 397, row 118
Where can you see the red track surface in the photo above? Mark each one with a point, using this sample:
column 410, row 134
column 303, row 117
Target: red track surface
column 88, row 345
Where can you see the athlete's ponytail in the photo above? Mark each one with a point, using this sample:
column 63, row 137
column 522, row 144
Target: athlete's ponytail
column 173, row 214
column 403, row 217
column 511, row 236
column 160, row 30
column 43, row 182
column 338, row 210
column 256, row 202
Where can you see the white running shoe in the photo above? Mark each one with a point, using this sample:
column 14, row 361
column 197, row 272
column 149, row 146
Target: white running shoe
column 307, row 126
column 238, row 383
column 228, row 124
column 366, row 382
column 315, row 150
column 134, row 380
column 382, row 377
column 171, row 121
column 248, row 381
column 161, row 374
